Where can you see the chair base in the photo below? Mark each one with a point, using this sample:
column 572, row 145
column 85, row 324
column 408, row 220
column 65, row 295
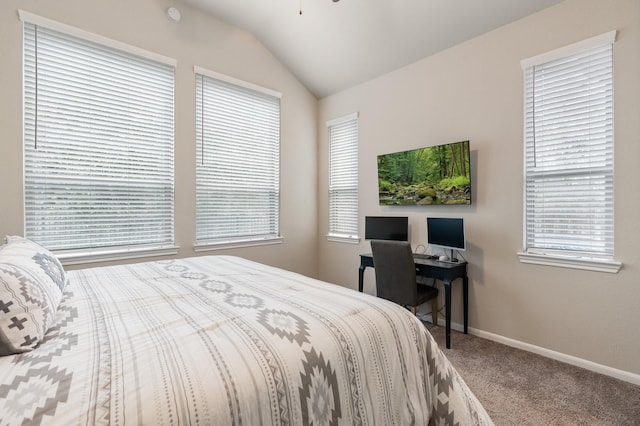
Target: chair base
column 434, row 311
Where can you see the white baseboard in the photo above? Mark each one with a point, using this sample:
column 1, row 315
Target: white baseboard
column 569, row 359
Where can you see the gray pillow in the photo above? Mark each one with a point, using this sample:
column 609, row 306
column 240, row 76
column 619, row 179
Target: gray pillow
column 31, row 284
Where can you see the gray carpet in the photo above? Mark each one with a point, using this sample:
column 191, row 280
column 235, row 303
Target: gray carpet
column 521, row 388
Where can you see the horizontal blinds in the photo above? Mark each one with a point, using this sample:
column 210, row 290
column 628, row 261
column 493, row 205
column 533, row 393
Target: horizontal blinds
column 238, row 161
column 343, row 177
column 569, row 153
column 99, row 129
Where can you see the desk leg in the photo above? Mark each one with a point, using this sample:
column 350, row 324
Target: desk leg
column 361, row 277
column 447, row 311
column 465, row 300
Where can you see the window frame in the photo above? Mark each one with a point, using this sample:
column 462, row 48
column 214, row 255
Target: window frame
column 209, row 243
column 557, row 257
column 352, row 234
column 97, row 253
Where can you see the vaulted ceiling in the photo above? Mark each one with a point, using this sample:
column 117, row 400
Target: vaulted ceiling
column 334, row 45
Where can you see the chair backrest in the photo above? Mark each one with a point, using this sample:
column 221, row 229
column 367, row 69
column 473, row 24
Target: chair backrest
column 395, row 271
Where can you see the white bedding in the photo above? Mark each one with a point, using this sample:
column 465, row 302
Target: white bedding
column 220, row 340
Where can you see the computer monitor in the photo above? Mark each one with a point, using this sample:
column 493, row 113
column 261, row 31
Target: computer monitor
column 447, row 233
column 386, row 228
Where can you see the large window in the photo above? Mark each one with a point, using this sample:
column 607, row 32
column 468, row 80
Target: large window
column 569, row 156
column 237, row 162
column 343, row 178
column 99, row 143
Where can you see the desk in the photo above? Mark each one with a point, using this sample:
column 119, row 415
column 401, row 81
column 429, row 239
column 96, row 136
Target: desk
column 447, row 272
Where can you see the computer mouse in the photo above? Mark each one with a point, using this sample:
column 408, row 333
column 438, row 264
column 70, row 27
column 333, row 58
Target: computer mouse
column 443, row 257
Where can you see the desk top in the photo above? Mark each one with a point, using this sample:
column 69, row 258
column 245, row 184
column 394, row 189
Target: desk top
column 425, row 259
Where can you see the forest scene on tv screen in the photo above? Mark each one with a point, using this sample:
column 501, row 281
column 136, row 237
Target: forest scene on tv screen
column 432, row 175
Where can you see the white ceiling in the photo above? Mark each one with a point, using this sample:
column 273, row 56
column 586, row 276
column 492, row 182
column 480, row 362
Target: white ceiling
column 336, row 45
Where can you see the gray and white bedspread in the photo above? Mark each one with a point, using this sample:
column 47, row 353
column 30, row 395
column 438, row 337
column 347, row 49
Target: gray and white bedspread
column 220, row 340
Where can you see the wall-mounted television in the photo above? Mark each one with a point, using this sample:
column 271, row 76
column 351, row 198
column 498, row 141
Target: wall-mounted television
column 426, row 176
column 386, row 228
column 446, row 232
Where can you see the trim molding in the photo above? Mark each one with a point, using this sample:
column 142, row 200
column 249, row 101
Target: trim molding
column 77, row 32
column 236, row 81
column 79, row 257
column 571, row 49
column 558, row 356
column 589, row 264
column 227, row 244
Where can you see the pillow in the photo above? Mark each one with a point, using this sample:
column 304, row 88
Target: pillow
column 31, row 284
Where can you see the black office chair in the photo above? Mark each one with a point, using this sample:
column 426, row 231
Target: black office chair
column 396, row 277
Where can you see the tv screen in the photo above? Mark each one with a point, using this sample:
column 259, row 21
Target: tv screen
column 446, row 233
column 386, row 228
column 433, row 175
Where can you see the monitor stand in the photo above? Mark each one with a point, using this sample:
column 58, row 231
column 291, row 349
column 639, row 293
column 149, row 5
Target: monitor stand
column 445, row 258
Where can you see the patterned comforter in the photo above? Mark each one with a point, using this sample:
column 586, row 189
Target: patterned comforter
column 220, row 340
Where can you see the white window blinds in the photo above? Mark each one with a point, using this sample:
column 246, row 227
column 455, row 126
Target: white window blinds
column 343, row 177
column 237, row 161
column 99, row 131
column 569, row 152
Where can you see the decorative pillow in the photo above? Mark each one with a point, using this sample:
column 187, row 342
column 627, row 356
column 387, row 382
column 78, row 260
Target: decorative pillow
column 31, row 284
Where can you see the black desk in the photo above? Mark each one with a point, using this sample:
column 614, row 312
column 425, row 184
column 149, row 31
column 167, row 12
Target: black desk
column 447, row 272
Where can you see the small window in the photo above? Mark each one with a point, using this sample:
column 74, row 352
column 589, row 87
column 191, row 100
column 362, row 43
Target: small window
column 99, row 144
column 569, row 154
column 343, row 178
column 237, row 162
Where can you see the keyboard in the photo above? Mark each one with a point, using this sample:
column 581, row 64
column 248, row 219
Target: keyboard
column 424, row 256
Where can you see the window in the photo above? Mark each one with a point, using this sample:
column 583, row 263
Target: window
column 343, row 178
column 569, row 202
column 237, row 162
column 99, row 141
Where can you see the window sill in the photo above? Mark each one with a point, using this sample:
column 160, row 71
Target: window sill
column 572, row 262
column 225, row 244
column 343, row 239
column 78, row 257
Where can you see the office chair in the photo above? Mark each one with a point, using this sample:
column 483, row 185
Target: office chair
column 396, row 277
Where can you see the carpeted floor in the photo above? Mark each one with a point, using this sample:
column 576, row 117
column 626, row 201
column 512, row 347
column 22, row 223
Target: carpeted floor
column 521, row 388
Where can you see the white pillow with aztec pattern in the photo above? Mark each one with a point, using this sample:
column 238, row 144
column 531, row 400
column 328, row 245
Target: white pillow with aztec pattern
column 31, row 284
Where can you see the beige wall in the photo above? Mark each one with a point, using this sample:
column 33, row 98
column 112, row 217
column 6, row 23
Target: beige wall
column 475, row 91
column 196, row 40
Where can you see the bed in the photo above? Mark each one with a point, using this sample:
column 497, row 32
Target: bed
column 212, row 340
